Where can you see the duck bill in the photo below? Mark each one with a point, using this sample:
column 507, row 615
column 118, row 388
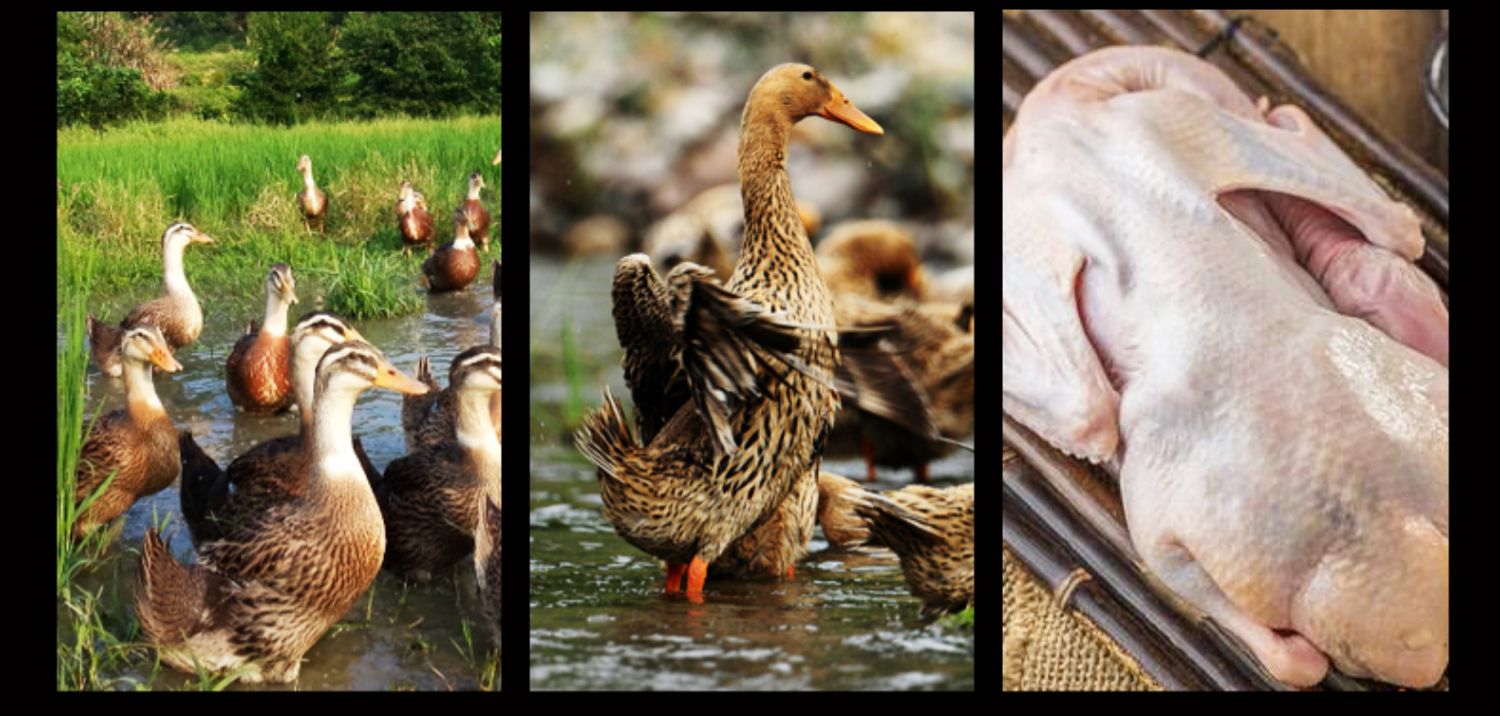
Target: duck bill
column 164, row 360
column 393, row 379
column 201, row 238
column 840, row 109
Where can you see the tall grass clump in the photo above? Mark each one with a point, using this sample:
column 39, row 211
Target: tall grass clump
column 121, row 189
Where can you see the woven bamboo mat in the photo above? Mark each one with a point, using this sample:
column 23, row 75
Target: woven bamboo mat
column 1080, row 611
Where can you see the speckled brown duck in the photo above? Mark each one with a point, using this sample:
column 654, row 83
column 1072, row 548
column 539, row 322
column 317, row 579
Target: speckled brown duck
column 909, row 386
column 312, row 200
column 138, row 445
column 430, row 498
column 261, row 595
column 455, row 264
column 273, row 471
column 176, row 312
column 727, row 425
column 873, row 258
column 930, row 529
column 258, row 372
column 475, row 214
column 413, row 219
column 709, row 230
column 431, row 419
column 487, row 558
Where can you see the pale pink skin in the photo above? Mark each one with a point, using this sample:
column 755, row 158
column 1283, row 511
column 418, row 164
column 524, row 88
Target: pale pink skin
column 1213, row 301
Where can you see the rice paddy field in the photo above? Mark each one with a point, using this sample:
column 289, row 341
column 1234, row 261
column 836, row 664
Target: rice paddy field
column 118, row 191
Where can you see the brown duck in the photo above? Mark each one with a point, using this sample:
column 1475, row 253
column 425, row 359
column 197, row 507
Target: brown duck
column 138, row 445
column 477, row 217
column 930, row 529
column 258, row 372
column 311, row 199
column 728, row 427
column 873, row 258
column 487, row 558
column 908, row 370
column 265, row 592
column 430, row 498
column 176, row 312
column 273, row 471
column 455, row 264
column 412, row 218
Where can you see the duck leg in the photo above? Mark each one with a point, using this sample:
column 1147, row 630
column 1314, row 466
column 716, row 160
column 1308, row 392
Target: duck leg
column 697, row 573
column 869, row 452
column 791, row 571
column 922, row 473
column 675, row 570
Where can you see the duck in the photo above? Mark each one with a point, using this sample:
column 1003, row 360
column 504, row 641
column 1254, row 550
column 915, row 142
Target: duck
column 707, row 469
column 412, row 218
column 873, row 258
column 908, row 371
column 708, row 230
column 258, row 371
column 930, row 529
column 264, row 593
column 477, row 217
column 455, row 264
column 495, row 310
column 487, row 559
column 176, row 312
column 430, row 497
column 273, row 471
column 137, row 445
column 313, row 201
column 432, row 419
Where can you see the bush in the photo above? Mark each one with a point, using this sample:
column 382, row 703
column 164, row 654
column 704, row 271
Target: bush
column 90, row 89
column 422, row 64
column 293, row 78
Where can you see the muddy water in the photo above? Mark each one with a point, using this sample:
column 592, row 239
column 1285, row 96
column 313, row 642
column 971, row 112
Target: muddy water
column 396, row 637
column 599, row 619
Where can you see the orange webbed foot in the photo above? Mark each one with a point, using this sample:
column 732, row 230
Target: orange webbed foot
column 697, row 573
column 675, row 570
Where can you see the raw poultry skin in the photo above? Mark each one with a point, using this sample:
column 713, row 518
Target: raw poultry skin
column 1212, row 300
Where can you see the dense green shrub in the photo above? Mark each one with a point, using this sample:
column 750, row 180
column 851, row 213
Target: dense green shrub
column 201, row 31
column 422, row 64
column 92, row 87
column 294, row 72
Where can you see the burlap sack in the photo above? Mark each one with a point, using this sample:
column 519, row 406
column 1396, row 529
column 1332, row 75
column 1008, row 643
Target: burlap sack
column 1048, row 649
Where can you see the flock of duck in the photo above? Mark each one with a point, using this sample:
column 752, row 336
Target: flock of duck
column 738, row 369
column 294, row 530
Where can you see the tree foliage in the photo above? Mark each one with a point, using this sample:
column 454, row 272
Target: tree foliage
column 422, row 64
column 294, row 76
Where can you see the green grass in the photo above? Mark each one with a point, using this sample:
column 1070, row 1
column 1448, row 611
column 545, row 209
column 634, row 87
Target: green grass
column 122, row 188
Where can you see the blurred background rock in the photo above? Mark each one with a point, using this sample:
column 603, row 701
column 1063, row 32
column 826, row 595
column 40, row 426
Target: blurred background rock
column 632, row 115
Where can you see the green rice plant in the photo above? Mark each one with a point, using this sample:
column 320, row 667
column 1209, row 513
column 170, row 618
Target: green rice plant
column 486, row 665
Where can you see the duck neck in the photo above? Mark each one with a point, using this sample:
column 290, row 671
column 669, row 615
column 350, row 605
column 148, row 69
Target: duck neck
column 307, row 180
column 773, row 230
column 473, row 191
column 276, row 308
column 476, row 431
column 462, row 242
column 305, row 372
column 140, row 392
column 173, row 277
column 332, row 437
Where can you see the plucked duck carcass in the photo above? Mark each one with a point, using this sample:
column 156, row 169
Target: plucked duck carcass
column 475, row 214
column 176, row 312
column 262, row 594
column 137, row 445
column 273, row 471
column 259, row 369
column 311, row 199
column 455, row 264
column 430, row 498
column 727, row 426
column 412, row 218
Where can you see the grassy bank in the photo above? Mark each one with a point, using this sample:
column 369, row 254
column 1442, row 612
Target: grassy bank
column 120, row 189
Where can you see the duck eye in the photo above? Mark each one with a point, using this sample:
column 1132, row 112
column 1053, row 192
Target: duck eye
column 806, row 75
